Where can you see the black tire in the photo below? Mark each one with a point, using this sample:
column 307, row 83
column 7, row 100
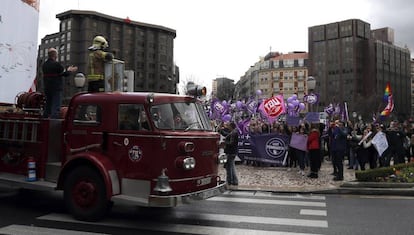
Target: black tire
column 85, row 194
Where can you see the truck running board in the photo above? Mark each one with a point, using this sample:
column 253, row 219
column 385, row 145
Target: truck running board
column 19, row 181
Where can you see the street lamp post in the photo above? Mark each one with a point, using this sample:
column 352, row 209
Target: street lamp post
column 311, row 84
column 79, row 81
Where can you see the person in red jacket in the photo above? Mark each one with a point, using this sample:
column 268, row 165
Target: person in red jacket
column 314, row 151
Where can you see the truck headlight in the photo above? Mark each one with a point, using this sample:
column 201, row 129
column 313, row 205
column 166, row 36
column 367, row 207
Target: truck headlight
column 222, row 158
column 186, row 163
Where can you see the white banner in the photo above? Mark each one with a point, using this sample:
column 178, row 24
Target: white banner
column 19, row 21
column 380, row 142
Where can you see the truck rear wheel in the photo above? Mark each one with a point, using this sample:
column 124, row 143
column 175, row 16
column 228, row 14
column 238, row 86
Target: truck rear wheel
column 85, row 194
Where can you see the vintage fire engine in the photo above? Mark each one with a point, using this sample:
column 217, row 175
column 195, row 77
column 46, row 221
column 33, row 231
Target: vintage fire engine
column 152, row 149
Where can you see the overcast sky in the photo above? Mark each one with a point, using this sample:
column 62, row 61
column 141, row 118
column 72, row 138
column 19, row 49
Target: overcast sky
column 223, row 38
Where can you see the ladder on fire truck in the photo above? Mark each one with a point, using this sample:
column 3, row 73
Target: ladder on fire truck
column 19, row 130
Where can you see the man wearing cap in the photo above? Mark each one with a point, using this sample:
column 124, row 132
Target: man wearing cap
column 53, row 73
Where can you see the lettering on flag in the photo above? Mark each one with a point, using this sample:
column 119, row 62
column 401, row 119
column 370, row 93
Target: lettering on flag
column 267, row 148
column 273, row 107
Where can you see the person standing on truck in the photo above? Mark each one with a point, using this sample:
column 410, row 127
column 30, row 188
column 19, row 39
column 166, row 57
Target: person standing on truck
column 53, row 73
column 96, row 64
column 230, row 149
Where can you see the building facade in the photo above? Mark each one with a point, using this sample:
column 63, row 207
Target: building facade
column 352, row 63
column 412, row 87
column 289, row 74
column 146, row 49
column 393, row 64
column 223, row 88
column 275, row 74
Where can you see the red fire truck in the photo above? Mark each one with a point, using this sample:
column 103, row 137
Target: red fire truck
column 152, row 149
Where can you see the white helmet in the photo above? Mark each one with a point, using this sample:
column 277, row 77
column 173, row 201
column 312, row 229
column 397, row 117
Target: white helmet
column 99, row 42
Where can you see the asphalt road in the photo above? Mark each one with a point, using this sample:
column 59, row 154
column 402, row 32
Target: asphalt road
column 232, row 213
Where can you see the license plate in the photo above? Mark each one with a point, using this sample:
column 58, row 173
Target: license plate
column 204, row 181
column 210, row 193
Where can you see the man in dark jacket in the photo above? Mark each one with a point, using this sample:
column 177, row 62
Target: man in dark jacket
column 230, row 149
column 338, row 148
column 53, row 73
column 395, row 138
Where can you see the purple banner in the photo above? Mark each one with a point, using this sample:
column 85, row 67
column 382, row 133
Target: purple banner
column 267, row 148
column 299, row 141
column 312, row 117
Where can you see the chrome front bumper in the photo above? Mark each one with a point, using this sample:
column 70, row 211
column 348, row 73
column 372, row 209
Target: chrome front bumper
column 175, row 200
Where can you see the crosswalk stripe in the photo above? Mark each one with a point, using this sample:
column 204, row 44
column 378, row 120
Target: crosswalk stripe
column 265, row 201
column 313, row 212
column 254, row 219
column 270, row 194
column 166, row 227
column 33, row 230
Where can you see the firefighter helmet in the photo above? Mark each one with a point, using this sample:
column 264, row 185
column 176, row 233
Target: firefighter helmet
column 99, row 42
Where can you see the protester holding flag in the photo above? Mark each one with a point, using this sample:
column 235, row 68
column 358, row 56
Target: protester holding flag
column 381, row 145
column 366, row 151
column 298, row 142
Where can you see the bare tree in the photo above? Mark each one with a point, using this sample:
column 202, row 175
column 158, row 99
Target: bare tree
column 191, row 79
column 368, row 105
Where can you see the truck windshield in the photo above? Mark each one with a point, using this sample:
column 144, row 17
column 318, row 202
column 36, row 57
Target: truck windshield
column 180, row 116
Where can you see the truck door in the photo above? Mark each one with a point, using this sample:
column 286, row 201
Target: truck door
column 133, row 144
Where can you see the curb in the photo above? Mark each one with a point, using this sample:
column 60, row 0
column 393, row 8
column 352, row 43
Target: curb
column 356, row 184
column 351, row 188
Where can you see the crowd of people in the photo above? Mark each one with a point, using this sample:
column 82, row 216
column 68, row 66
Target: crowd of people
column 337, row 142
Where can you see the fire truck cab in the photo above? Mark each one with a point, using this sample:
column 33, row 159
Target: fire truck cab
column 152, row 149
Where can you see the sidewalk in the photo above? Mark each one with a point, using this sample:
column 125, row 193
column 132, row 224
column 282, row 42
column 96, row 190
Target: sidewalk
column 283, row 179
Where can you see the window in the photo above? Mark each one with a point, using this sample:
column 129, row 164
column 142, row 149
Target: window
column 301, row 62
column 288, row 63
column 132, row 117
column 88, row 114
column 276, row 64
column 180, row 116
column 62, row 37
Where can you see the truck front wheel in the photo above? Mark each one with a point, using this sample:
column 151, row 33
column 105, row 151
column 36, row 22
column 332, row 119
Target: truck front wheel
column 85, row 194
